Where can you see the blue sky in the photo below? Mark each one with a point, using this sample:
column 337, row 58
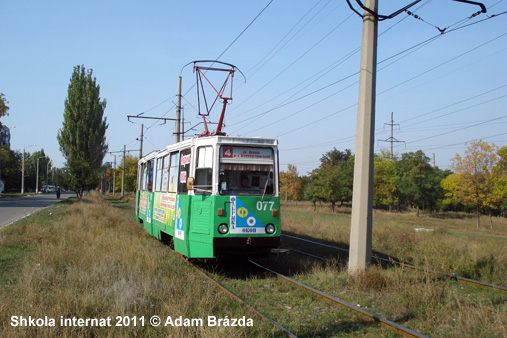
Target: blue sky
column 300, row 59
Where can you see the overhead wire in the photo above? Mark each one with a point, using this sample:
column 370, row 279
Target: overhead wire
column 403, row 82
column 223, row 52
column 244, row 30
column 298, row 59
column 287, row 34
column 232, row 43
column 463, row 26
column 351, row 138
column 326, row 69
column 459, row 129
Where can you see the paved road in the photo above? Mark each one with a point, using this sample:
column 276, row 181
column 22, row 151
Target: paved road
column 14, row 208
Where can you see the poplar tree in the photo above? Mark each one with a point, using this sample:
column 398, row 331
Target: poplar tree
column 82, row 137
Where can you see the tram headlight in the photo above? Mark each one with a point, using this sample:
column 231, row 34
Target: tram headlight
column 270, row 229
column 223, row 228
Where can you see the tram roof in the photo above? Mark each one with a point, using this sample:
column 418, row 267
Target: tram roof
column 237, row 140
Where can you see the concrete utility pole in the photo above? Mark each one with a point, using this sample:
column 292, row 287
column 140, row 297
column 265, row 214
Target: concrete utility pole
column 362, row 196
column 114, row 176
column 37, row 178
column 23, row 169
column 178, row 113
column 47, row 173
column 123, row 172
column 141, row 143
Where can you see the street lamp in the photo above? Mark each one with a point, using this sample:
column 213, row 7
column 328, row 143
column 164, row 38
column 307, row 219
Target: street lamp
column 23, row 169
column 37, row 180
column 47, row 174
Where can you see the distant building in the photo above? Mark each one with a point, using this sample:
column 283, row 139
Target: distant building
column 5, row 137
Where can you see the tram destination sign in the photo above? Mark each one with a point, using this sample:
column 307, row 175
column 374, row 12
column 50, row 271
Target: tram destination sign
column 246, row 154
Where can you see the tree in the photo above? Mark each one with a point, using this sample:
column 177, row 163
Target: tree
column 130, row 174
column 291, row 185
column 474, row 182
column 499, row 172
column 416, row 179
column 11, row 168
column 332, row 181
column 385, row 191
column 4, row 108
column 31, row 169
column 80, row 176
column 82, row 137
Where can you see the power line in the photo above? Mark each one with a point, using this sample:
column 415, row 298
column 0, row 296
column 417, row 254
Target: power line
column 444, row 63
column 285, row 36
column 459, row 129
column 350, row 138
column 295, row 61
column 244, row 30
column 399, row 84
column 454, row 104
column 325, row 71
column 232, row 43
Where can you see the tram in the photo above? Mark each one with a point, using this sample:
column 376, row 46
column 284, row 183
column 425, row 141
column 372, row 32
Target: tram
column 212, row 196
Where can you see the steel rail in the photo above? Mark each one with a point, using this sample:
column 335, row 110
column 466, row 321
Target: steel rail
column 240, row 300
column 466, row 302
column 316, row 257
column 459, row 279
column 370, row 316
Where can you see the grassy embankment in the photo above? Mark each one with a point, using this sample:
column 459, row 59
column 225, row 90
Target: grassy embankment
column 90, row 260
column 87, row 259
column 412, row 299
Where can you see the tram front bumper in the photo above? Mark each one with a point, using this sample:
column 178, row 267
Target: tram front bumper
column 245, row 244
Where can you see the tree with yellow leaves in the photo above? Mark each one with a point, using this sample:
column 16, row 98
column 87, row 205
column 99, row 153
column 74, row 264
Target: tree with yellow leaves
column 291, row 185
column 473, row 180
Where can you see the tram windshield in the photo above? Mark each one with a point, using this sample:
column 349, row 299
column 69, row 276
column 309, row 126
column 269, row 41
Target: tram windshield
column 246, row 171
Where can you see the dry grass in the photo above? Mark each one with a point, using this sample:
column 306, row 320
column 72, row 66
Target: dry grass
column 414, row 300
column 452, row 245
column 92, row 261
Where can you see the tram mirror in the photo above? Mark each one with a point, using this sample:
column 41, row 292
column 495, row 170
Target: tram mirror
column 190, row 183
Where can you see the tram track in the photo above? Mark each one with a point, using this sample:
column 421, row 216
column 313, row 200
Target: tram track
column 406, row 332
column 462, row 301
column 462, row 280
column 240, row 300
column 352, row 309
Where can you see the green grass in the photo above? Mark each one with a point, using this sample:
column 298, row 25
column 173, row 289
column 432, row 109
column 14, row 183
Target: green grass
column 10, row 262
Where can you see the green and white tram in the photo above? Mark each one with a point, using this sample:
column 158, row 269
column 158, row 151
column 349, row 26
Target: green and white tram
column 214, row 195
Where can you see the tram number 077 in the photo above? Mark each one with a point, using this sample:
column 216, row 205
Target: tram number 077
column 264, row 205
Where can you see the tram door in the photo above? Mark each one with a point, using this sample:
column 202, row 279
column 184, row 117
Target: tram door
column 201, row 216
column 182, row 204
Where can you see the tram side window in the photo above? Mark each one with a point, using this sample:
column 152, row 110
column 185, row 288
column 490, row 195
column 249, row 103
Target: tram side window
column 158, row 177
column 185, row 158
column 144, row 176
column 173, row 172
column 165, row 173
column 204, row 170
column 150, row 175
